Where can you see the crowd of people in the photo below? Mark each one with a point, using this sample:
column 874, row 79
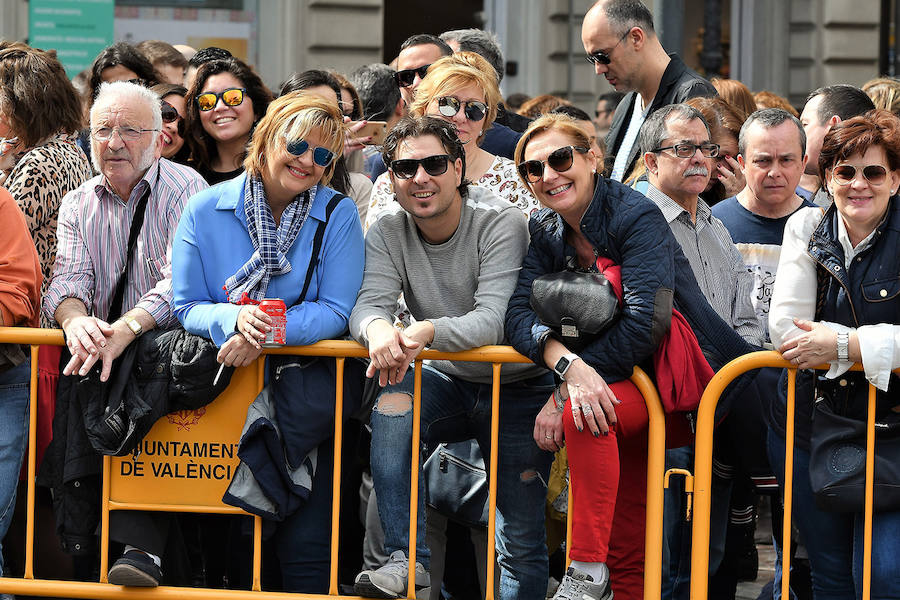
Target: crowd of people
column 409, row 206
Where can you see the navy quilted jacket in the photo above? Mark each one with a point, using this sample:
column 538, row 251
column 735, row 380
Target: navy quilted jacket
column 625, row 226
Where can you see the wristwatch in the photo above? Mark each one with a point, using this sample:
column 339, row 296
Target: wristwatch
column 843, row 347
column 133, row 325
column 565, row 361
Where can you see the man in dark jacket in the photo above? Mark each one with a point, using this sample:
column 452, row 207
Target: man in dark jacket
column 620, row 41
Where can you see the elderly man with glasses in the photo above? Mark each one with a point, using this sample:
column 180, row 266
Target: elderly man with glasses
column 139, row 192
column 620, row 41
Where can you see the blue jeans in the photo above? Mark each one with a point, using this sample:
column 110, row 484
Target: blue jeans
column 834, row 541
column 303, row 539
column 456, row 410
column 13, row 430
column 678, row 532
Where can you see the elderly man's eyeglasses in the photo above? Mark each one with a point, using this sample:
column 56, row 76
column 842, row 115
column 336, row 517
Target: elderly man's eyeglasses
column 474, row 110
column 845, row 174
column 231, row 97
column 406, row 168
column 128, row 134
column 687, row 150
column 601, row 57
column 560, row 160
column 321, row 156
column 406, row 77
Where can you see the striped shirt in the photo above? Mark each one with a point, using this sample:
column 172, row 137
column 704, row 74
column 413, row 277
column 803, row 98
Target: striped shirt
column 716, row 263
column 92, row 239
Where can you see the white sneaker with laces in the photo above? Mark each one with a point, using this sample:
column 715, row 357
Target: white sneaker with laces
column 390, row 580
column 577, row 585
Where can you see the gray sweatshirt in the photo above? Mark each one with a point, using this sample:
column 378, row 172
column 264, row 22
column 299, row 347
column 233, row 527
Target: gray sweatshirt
column 462, row 285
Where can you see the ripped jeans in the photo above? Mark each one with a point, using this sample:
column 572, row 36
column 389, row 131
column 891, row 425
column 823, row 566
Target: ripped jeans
column 454, row 410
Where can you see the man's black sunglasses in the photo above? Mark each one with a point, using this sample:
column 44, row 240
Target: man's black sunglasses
column 406, row 77
column 599, row 57
column 405, row 168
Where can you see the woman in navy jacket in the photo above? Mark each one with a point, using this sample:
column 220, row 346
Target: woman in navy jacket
column 586, row 217
column 253, row 237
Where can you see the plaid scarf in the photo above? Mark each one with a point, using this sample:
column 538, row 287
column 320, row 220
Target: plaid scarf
column 270, row 243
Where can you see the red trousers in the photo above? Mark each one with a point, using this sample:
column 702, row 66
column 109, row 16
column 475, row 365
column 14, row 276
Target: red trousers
column 609, row 492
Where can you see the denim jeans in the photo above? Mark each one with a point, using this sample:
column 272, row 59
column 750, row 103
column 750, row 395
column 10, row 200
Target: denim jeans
column 834, row 541
column 678, row 532
column 13, row 429
column 303, row 539
column 456, row 410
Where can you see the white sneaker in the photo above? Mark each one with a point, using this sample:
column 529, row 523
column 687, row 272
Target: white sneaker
column 577, row 585
column 390, row 580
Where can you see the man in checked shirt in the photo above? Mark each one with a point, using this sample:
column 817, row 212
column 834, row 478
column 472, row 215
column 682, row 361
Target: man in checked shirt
column 679, row 156
column 94, row 224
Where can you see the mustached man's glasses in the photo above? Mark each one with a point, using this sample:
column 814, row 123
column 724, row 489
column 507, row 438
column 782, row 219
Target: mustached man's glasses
column 474, row 110
column 406, row 168
column 321, row 156
column 560, row 160
column 128, row 134
column 601, row 57
column 231, row 97
column 845, row 174
column 406, row 77
column 687, row 150
column 170, row 115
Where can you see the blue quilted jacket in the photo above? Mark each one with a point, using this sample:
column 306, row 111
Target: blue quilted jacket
column 625, row 226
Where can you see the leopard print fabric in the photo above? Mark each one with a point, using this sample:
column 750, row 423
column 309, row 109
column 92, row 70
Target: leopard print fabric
column 38, row 183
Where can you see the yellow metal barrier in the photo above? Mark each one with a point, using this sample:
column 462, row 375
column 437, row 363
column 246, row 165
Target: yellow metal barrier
column 135, row 483
column 703, row 470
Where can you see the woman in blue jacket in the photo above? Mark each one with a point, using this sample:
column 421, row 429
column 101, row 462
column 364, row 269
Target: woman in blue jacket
column 254, row 237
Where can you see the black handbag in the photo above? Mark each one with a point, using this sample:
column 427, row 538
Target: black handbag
column 456, row 483
column 576, row 305
column 837, row 463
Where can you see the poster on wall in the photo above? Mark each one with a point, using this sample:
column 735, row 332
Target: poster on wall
column 77, row 29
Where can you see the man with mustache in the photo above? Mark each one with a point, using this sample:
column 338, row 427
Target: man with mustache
column 136, row 190
column 675, row 141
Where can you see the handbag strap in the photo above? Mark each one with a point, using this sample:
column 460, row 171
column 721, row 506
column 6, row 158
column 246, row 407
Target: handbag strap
column 317, row 243
column 137, row 222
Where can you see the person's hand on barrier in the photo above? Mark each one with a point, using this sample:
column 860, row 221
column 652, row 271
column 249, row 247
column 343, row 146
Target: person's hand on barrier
column 548, row 427
column 85, row 337
column 816, row 344
column 238, row 352
column 253, row 323
column 592, row 401
column 391, row 350
column 731, row 174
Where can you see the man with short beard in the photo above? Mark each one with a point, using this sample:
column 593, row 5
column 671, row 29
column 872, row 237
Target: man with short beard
column 675, row 141
column 135, row 188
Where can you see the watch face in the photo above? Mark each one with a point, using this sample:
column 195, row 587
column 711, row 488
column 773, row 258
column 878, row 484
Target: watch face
column 561, row 365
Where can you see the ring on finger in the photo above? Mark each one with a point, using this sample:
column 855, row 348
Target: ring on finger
column 586, row 409
column 548, row 436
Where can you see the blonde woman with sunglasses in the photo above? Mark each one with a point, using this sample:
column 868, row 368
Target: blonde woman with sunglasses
column 279, row 231
column 462, row 90
column 224, row 104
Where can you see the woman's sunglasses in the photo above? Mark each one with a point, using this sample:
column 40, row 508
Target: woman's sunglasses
column 845, row 174
column 406, row 77
column 405, row 168
column 560, row 160
column 321, row 156
column 170, row 115
column 231, row 97
column 450, row 105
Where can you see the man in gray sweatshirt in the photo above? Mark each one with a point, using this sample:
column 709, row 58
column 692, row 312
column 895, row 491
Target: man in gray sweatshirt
column 454, row 252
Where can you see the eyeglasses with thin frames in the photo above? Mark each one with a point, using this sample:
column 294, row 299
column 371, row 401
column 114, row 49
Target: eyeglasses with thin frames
column 128, row 134
column 845, row 174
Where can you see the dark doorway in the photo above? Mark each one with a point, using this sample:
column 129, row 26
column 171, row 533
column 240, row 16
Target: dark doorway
column 403, row 18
